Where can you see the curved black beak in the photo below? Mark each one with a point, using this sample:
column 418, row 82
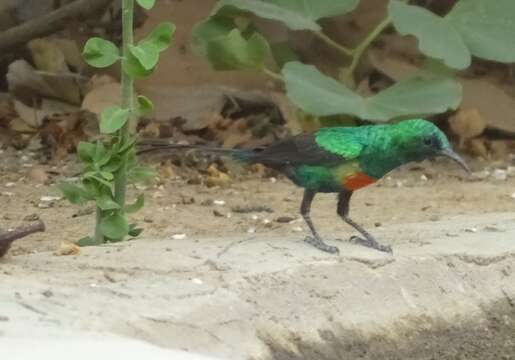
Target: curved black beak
column 452, row 155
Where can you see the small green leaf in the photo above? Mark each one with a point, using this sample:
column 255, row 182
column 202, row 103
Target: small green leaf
column 87, row 241
column 94, row 176
column 86, row 151
column 297, row 15
column 113, row 119
column 106, row 202
column 436, row 36
column 113, row 164
column 75, row 194
column 136, row 206
column 134, row 230
column 133, row 67
column 107, row 175
column 234, row 52
column 212, row 29
column 320, row 95
column 161, row 36
column 146, row 53
column 145, row 105
column 146, row 4
column 114, row 226
column 100, row 53
column 140, row 173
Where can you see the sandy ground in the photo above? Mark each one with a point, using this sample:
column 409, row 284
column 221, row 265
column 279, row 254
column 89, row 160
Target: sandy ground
column 216, row 267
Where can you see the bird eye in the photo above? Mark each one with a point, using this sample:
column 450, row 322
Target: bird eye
column 428, row 141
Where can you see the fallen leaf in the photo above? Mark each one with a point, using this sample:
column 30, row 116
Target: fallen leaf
column 67, row 248
column 34, row 116
column 38, row 174
column 477, row 147
column 467, row 123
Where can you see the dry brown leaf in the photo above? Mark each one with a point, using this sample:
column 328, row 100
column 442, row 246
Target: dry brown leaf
column 477, row 147
column 166, row 170
column 19, row 126
column 48, row 57
column 67, row 248
column 34, row 116
column 101, row 97
column 25, row 84
column 499, row 149
column 38, row 174
column 467, row 124
column 217, row 177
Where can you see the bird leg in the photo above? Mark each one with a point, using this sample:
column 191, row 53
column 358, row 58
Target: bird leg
column 369, row 240
column 314, row 240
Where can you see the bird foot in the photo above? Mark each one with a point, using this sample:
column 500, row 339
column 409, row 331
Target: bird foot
column 320, row 245
column 371, row 243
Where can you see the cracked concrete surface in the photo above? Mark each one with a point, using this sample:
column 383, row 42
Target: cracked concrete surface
column 448, row 291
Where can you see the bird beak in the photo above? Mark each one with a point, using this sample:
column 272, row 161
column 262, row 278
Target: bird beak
column 452, row 155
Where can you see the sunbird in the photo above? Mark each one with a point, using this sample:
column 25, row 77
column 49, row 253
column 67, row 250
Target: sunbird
column 342, row 160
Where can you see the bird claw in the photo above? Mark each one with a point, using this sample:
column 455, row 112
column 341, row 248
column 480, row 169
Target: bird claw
column 371, row 243
column 320, row 245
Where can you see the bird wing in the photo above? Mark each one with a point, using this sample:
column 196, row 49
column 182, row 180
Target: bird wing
column 309, row 149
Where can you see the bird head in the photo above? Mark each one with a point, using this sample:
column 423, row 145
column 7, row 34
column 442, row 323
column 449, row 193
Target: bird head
column 420, row 139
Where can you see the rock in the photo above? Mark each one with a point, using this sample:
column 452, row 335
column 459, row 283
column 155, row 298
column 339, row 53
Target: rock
column 467, row 124
column 284, row 219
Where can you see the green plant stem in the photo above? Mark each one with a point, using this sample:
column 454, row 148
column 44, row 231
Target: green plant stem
column 273, row 74
column 120, row 182
column 344, row 50
column 357, row 53
column 99, row 237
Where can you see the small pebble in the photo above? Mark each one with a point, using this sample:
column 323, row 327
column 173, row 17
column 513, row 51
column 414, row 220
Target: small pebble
column 10, row 184
column 179, row 236
column 7, row 193
column 297, row 229
column 284, row 219
column 494, row 228
column 251, row 230
column 273, row 180
column 148, row 220
column 254, row 217
column 471, row 230
column 378, row 224
column 513, row 195
column 31, row 217
column 219, row 202
column 2, row 317
column 451, row 234
column 218, row 213
column 500, row 174
column 49, row 198
column 47, row 293
column 423, row 177
column 197, row 281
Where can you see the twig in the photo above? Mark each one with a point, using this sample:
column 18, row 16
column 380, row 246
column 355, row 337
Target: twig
column 50, row 23
column 6, row 238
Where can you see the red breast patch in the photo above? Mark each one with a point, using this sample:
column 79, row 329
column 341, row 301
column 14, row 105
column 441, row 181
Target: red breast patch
column 357, row 181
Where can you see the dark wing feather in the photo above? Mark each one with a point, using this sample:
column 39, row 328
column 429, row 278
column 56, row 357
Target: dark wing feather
column 297, row 150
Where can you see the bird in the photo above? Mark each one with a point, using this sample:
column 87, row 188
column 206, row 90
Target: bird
column 342, row 160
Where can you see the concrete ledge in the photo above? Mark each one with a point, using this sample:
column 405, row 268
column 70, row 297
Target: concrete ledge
column 447, row 292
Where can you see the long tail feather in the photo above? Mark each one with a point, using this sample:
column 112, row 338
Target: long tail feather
column 238, row 154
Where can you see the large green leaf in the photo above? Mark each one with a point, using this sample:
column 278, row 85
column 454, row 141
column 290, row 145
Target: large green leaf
column 296, row 14
column 212, row 29
column 161, row 36
column 114, row 226
column 75, row 194
column 234, row 52
column 320, row 95
column 487, row 27
column 146, row 4
column 146, row 53
column 436, row 36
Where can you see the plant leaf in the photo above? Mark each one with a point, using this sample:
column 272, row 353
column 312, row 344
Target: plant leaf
column 234, row 52
column 136, row 206
column 212, row 29
column 320, row 95
column 87, row 241
column 145, row 105
column 114, row 226
column 146, row 53
column 161, row 36
column 86, row 151
column 113, row 119
column 100, row 53
column 146, row 4
column 436, row 36
column 75, row 194
column 297, row 15
column 105, row 201
column 133, row 67
column 487, row 27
